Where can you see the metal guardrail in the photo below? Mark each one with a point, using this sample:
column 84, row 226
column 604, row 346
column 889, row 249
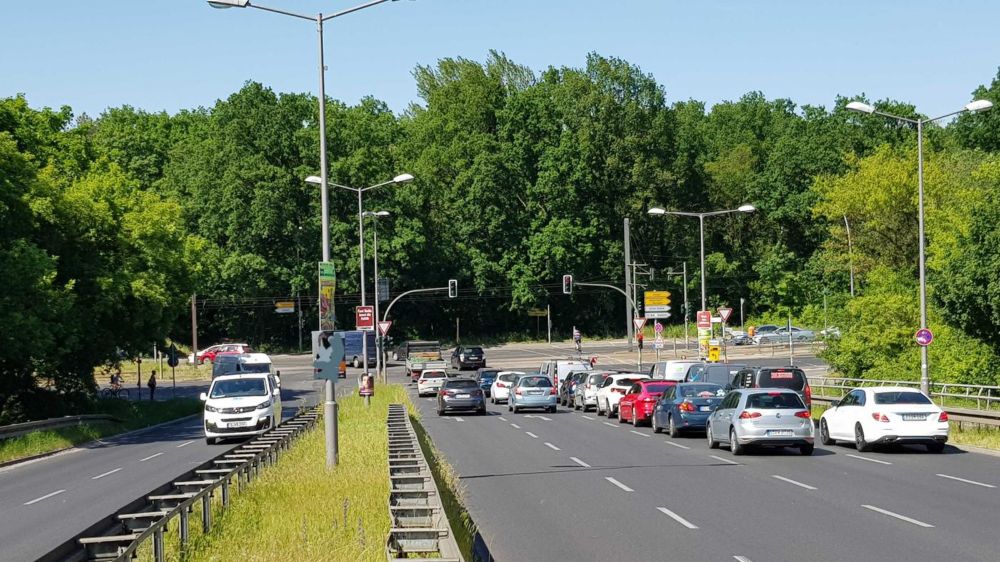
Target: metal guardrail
column 14, row 430
column 118, row 536
column 420, row 528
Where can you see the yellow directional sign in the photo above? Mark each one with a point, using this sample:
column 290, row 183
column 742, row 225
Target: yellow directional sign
column 656, row 298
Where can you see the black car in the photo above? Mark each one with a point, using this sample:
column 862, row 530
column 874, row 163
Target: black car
column 485, row 377
column 773, row 377
column 460, row 394
column 468, row 358
column 716, row 373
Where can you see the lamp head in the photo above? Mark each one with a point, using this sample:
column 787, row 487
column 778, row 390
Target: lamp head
column 315, row 179
column 382, row 213
column 223, row 4
column 979, row 105
column 657, row 211
column 748, row 208
column 861, row 107
column 402, row 178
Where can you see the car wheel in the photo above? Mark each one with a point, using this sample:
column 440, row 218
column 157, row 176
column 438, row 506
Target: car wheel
column 860, row 443
column 824, row 433
column 652, row 423
column 482, row 411
column 515, row 409
column 712, row 443
column 734, row 445
column 936, row 447
column 355, row 363
column 620, row 418
column 210, row 440
column 552, row 410
column 635, row 419
column 807, row 450
column 674, row 432
column 440, row 412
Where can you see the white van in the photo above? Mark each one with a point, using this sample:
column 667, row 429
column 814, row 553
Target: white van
column 240, row 405
column 674, row 370
column 557, row 370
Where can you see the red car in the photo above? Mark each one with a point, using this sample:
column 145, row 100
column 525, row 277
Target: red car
column 209, row 353
column 639, row 401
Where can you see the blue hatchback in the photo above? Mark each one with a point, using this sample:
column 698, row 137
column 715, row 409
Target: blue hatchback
column 686, row 406
column 486, row 377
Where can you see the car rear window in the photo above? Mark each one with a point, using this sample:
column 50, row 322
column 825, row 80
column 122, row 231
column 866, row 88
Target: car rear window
column 626, row 382
column 535, row 382
column 902, row 397
column 508, row 378
column 782, row 378
column 597, row 379
column 657, row 388
column 461, row 384
column 775, row 401
column 700, row 391
column 433, row 375
column 474, row 350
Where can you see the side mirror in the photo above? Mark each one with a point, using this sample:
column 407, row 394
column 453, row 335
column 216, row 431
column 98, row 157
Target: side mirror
column 835, row 403
column 203, row 397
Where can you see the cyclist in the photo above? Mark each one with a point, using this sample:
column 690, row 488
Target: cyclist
column 577, row 339
column 116, row 380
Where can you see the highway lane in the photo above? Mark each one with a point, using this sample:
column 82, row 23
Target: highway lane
column 772, row 506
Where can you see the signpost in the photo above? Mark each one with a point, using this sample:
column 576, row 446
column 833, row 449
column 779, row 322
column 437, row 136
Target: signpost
column 656, row 304
column 284, row 307
column 383, row 327
column 364, row 318
column 639, row 322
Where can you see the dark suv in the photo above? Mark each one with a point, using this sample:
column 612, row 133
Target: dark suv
column 717, row 373
column 468, row 358
column 790, row 377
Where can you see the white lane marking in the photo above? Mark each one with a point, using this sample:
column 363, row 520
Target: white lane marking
column 515, row 426
column 543, row 418
column 610, row 424
column 586, row 417
column 532, row 435
column 677, row 518
column 677, row 445
column 551, row 446
column 429, row 399
column 718, row 458
column 45, row 497
column 619, row 484
column 459, row 419
column 503, row 418
column 185, row 444
column 967, row 481
column 790, row 481
column 741, row 559
column 579, row 462
column 867, row 459
column 898, row 516
column 99, row 476
column 639, row 433
column 150, row 457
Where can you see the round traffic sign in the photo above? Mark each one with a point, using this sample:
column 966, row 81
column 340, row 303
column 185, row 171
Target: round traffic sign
column 658, row 328
column 924, row 337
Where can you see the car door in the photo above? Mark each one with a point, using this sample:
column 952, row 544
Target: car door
column 723, row 415
column 664, row 406
column 628, row 401
column 844, row 416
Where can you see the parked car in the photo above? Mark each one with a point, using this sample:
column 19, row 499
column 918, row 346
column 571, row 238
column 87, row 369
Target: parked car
column 585, row 395
column 240, row 405
column 882, row 415
column 468, row 357
column 532, row 391
column 764, row 329
column 774, row 417
column 741, row 340
column 460, row 393
column 500, row 389
column 673, row 370
column 567, row 388
column 430, row 381
column 686, row 406
column 209, row 353
column 639, row 401
column 721, row 374
column 485, row 378
column 774, row 377
column 781, row 335
column 614, row 387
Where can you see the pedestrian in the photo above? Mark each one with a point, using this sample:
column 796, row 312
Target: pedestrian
column 639, row 339
column 151, row 383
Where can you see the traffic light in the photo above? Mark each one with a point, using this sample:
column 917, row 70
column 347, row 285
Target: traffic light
column 452, row 288
column 567, row 284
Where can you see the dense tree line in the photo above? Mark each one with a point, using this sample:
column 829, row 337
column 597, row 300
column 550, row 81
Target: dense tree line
column 108, row 225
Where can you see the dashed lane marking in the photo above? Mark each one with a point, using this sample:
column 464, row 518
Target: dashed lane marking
column 45, row 497
column 579, row 462
column 551, row 446
column 678, row 445
column 967, row 481
column 898, row 516
column 677, row 518
column 619, row 484
column 727, row 461
column 99, row 476
column 153, row 456
column 532, row 435
column 867, row 459
column 793, row 482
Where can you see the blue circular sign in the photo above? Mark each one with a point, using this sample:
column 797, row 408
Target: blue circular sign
column 924, row 337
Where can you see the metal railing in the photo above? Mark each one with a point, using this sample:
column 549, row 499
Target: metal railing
column 420, row 527
column 118, row 536
column 14, row 430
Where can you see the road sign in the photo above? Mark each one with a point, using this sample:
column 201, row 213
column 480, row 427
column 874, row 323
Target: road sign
column 713, row 353
column 660, row 315
column 724, row 313
column 656, row 298
column 284, row 307
column 639, row 323
column 704, row 319
column 658, row 342
column 924, row 337
column 383, row 326
column 364, row 317
column 540, row 312
column 658, row 328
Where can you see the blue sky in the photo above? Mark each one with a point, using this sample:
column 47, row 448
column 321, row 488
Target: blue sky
column 176, row 54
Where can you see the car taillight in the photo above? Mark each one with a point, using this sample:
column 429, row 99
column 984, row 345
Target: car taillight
column 501, row 385
column 553, row 391
column 649, row 400
column 517, row 391
column 477, row 392
column 686, row 406
column 802, row 414
column 880, row 417
column 442, row 393
column 809, row 397
column 749, row 415
column 943, row 417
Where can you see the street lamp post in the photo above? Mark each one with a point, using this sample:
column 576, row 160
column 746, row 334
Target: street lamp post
column 977, row 105
column 378, row 336
column 330, row 404
column 850, row 253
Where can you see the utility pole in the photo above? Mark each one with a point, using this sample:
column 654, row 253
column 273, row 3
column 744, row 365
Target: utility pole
column 628, row 288
column 194, row 329
column 686, row 306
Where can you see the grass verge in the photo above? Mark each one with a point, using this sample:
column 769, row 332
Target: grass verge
column 131, row 415
column 960, row 434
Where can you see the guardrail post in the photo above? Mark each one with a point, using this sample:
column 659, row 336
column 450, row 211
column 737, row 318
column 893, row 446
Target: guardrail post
column 225, row 492
column 206, row 514
column 158, row 544
column 184, row 529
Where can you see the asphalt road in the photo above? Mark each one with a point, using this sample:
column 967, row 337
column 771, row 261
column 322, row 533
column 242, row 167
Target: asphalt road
column 572, row 486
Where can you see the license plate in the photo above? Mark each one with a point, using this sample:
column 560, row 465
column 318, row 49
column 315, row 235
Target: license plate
column 239, row 424
column 914, row 417
column 534, row 392
column 780, row 432
column 461, row 396
column 705, row 409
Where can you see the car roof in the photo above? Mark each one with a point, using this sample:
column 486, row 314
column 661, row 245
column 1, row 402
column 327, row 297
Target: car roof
column 889, row 388
column 511, row 373
column 463, row 379
column 617, row 376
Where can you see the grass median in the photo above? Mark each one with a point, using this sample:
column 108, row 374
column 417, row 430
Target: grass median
column 128, row 416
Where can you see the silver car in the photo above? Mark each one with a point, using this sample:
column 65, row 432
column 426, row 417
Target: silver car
column 532, row 391
column 774, row 417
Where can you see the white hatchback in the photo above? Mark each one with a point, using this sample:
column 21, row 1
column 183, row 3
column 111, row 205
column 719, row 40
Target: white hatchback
column 882, row 415
column 430, row 381
column 241, row 405
column 611, row 392
column 500, row 389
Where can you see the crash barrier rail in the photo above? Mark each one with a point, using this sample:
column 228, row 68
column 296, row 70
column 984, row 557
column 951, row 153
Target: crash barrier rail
column 951, row 397
column 14, row 430
column 118, row 536
column 419, row 529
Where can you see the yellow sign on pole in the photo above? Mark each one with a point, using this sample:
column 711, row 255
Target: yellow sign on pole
column 713, row 353
column 656, row 298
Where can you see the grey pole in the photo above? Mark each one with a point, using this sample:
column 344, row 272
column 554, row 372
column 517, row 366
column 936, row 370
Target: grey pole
column 628, row 289
column 701, row 224
column 925, row 380
column 850, row 252
column 378, row 336
column 361, row 249
column 686, row 306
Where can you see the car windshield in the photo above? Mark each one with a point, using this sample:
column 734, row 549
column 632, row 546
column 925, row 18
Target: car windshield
column 782, row 378
column 775, row 401
column 461, row 384
column 700, row 391
column 535, row 382
column 657, row 388
column 238, row 387
column 901, row 397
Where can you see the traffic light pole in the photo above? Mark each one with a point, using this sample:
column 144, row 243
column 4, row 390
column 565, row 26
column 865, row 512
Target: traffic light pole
column 634, row 307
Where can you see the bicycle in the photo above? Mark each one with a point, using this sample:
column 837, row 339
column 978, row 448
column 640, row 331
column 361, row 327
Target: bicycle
column 120, row 393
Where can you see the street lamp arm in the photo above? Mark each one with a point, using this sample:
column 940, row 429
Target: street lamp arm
column 354, row 9
column 634, row 306
column 385, row 315
column 898, row 117
column 277, row 11
column 714, row 213
column 963, row 110
column 376, row 185
column 347, row 187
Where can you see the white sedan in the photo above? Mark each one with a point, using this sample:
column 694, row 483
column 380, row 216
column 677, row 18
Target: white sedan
column 611, row 392
column 882, row 415
column 500, row 389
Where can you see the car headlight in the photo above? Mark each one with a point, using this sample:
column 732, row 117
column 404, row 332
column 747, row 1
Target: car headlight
column 264, row 404
column 211, row 408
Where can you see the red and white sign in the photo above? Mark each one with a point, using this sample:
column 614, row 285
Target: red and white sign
column 704, row 319
column 383, row 326
column 364, row 317
column 724, row 313
column 658, row 328
column 639, row 322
